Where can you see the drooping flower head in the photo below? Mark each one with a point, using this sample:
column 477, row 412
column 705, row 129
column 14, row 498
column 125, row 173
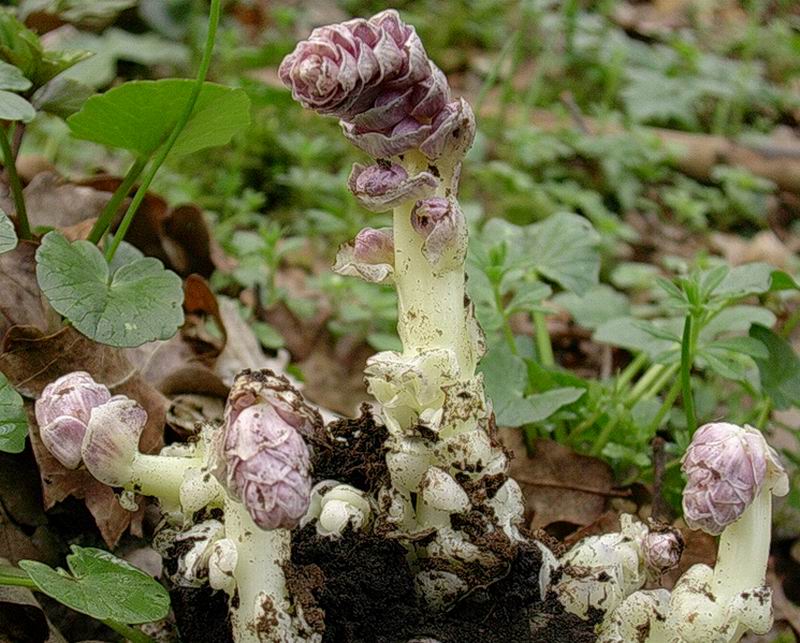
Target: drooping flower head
column 375, row 76
column 726, row 467
column 63, row 411
column 262, row 458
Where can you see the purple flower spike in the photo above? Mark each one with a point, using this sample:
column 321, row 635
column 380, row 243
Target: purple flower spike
column 662, row 549
column 726, row 466
column 375, row 76
column 263, row 460
column 441, row 224
column 383, row 186
column 341, row 69
column 63, row 411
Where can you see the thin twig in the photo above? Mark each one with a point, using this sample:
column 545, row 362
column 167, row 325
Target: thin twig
column 575, row 112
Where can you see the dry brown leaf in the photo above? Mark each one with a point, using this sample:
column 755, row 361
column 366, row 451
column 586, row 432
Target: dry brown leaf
column 52, row 201
column 185, row 362
column 560, row 486
column 242, row 349
column 764, row 246
column 21, row 302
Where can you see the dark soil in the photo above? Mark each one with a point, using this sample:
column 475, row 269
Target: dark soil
column 364, row 586
column 201, row 615
column 360, row 589
column 352, row 452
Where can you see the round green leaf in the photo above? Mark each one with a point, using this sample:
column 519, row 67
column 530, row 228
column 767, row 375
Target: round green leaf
column 139, row 115
column 12, row 78
column 15, row 108
column 8, row 236
column 13, row 421
column 140, row 303
column 102, row 586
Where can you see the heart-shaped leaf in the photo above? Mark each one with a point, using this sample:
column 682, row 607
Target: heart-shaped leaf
column 139, row 115
column 8, row 236
column 140, row 302
column 102, row 586
column 13, row 421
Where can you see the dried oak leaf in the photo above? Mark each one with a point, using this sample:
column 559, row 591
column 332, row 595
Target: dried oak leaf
column 30, row 359
column 560, row 486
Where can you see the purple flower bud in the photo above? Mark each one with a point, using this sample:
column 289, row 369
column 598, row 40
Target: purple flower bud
column 441, row 224
column 662, row 548
column 369, row 256
column 263, row 460
column 63, row 411
column 383, row 186
column 376, row 77
column 111, row 443
column 342, row 68
column 726, row 466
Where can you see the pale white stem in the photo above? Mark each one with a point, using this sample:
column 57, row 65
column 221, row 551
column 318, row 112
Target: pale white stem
column 744, row 549
column 258, row 608
column 431, row 304
column 160, row 476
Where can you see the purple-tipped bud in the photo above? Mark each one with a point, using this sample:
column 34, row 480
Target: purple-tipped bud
column 263, row 460
column 369, row 256
column 662, row 549
column 378, row 179
column 111, row 443
column 376, row 77
column 383, row 186
column 726, row 467
column 342, row 68
column 63, row 411
column 441, row 224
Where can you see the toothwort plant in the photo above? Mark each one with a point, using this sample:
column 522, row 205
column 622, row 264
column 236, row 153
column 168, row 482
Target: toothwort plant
column 395, row 104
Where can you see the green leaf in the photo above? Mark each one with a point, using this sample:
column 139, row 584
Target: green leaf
column 62, row 96
column 564, row 248
column 13, row 420
column 22, row 48
column 653, row 96
column 744, row 345
column 597, row 306
column 147, row 49
column 747, row 279
column 780, row 372
column 15, row 108
column 8, row 236
column 141, row 302
column 536, row 407
column 139, row 115
column 783, row 281
column 12, row 78
column 506, row 378
column 102, row 586
column 639, row 335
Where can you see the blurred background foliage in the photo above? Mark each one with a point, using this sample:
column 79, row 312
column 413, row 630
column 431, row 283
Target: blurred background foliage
column 636, row 165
